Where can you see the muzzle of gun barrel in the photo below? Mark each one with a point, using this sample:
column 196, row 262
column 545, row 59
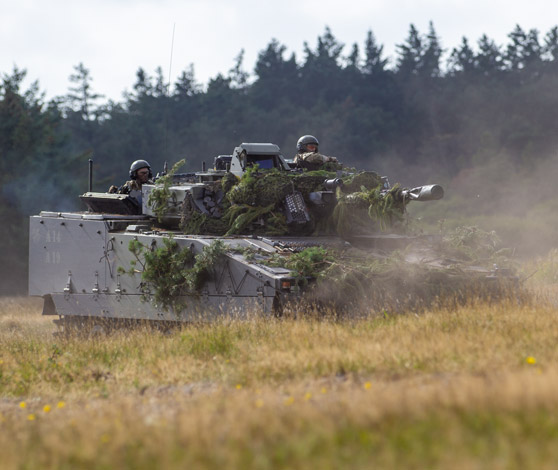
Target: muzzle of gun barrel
column 432, row 192
column 333, row 183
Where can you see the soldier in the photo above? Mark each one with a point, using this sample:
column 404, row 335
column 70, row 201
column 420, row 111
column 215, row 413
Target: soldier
column 140, row 172
column 307, row 154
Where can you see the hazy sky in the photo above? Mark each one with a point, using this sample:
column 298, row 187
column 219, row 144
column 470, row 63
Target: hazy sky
column 113, row 38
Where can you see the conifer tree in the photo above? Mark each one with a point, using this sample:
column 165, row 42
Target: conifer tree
column 81, row 97
column 374, row 63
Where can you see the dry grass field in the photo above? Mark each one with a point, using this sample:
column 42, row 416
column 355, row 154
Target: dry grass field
column 474, row 387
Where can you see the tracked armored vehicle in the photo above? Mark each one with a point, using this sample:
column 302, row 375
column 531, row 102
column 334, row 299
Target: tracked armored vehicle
column 252, row 234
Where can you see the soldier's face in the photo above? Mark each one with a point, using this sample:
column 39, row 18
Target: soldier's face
column 311, row 147
column 143, row 175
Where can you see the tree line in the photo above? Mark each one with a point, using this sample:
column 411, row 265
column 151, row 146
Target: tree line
column 425, row 108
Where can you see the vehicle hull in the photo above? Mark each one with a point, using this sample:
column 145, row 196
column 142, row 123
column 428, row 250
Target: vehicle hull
column 77, row 263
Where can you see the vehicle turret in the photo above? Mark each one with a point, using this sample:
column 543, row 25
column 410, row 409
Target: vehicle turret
column 254, row 191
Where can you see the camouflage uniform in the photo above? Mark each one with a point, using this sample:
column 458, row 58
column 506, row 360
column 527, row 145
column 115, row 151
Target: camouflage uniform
column 127, row 187
column 312, row 160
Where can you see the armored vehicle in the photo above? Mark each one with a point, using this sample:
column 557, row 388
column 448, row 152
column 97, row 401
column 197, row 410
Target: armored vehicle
column 251, row 234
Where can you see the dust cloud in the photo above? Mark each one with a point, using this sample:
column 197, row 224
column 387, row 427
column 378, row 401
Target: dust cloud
column 518, row 200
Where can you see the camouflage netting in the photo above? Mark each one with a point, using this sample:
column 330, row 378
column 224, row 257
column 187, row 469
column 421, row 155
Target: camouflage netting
column 253, row 205
column 228, row 181
column 311, row 181
column 261, row 189
column 364, row 179
column 368, row 210
column 196, row 223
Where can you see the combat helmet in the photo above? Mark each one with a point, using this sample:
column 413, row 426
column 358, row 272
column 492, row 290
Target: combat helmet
column 304, row 141
column 137, row 165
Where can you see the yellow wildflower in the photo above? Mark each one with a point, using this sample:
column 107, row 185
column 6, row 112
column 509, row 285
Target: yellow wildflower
column 324, row 390
column 46, row 408
column 238, row 386
column 367, row 385
column 31, row 417
column 22, row 404
column 531, row 360
column 60, row 404
column 289, row 401
column 307, row 396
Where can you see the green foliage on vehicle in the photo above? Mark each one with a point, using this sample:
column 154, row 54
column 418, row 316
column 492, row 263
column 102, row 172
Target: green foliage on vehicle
column 160, row 195
column 170, row 274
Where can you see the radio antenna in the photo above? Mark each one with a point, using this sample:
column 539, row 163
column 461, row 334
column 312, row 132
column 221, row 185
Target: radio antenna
column 165, row 152
column 170, row 63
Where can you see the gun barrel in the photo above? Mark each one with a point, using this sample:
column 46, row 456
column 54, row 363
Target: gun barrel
column 430, row 192
column 333, row 183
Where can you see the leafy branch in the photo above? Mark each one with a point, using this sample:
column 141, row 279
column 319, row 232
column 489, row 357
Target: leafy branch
column 160, row 195
column 170, row 273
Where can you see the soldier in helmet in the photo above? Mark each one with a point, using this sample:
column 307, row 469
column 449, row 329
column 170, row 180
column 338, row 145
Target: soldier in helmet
column 307, row 154
column 140, row 173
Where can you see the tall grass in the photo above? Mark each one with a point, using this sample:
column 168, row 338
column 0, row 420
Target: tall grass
column 470, row 387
